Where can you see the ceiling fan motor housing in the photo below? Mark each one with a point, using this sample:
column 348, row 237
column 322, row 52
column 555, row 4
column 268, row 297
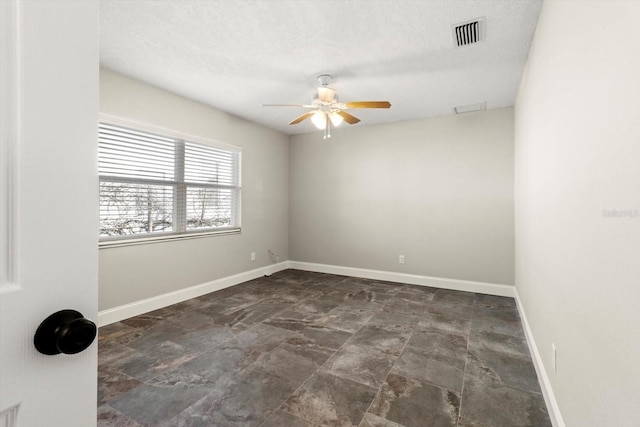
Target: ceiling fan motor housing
column 319, row 103
column 324, row 79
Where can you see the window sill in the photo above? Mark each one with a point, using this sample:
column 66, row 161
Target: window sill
column 107, row 244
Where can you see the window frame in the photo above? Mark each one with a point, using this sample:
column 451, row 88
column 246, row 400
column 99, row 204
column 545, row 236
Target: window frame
column 146, row 238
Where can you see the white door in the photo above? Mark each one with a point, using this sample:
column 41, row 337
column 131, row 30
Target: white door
column 48, row 195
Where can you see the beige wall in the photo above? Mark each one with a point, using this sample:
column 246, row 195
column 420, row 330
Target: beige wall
column 439, row 191
column 577, row 155
column 132, row 273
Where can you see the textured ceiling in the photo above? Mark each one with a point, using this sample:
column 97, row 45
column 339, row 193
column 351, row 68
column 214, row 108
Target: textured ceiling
column 237, row 55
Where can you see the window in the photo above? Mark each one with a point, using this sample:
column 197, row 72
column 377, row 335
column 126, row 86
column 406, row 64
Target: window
column 154, row 185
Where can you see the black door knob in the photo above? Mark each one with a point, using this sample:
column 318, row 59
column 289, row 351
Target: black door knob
column 66, row 331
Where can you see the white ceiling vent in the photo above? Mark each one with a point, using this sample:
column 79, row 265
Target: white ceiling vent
column 469, row 32
column 470, row 108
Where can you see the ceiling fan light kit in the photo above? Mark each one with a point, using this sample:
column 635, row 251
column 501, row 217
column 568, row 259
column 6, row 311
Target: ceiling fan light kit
column 327, row 110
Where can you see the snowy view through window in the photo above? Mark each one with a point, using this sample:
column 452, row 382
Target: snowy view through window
column 151, row 184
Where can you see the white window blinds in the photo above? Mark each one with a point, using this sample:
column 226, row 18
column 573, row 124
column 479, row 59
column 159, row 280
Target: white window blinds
column 153, row 184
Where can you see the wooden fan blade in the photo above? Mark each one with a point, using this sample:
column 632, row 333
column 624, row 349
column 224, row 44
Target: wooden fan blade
column 302, row 117
column 348, row 117
column 367, row 104
column 326, row 94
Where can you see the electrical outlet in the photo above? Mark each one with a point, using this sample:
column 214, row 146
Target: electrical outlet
column 554, row 355
column 401, row 259
column 253, row 256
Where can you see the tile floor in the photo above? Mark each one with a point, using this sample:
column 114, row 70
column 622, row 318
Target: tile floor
column 311, row 349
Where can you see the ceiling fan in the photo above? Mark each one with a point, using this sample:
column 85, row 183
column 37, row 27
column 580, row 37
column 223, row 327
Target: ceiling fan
column 327, row 110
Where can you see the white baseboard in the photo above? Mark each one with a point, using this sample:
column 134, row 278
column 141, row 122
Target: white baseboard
column 116, row 314
column 136, row 308
column 543, row 378
column 412, row 279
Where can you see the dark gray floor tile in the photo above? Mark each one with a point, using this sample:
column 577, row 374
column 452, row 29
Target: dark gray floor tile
column 112, row 384
column 508, row 344
column 210, row 370
column 360, row 303
column 214, row 307
column 272, row 306
column 490, row 324
column 453, row 311
column 143, row 321
column 498, row 405
column 281, row 321
column 149, row 404
column 302, row 314
column 380, row 287
column 205, row 338
column 293, row 363
column 143, row 339
column 361, row 364
column 297, row 295
column 373, row 295
column 412, row 294
column 197, row 415
column 344, row 319
column 388, row 318
column 190, row 320
column 110, row 351
column 492, row 301
column 503, row 369
column 284, row 419
column 439, row 343
column 446, row 323
column 466, row 422
column 261, row 338
column 154, row 361
column 401, row 305
column 443, row 371
column 371, row 420
column 339, row 294
column 109, row 417
column 255, row 396
column 419, row 289
column 325, row 399
column 507, row 314
column 353, row 283
column 413, row 403
column 250, row 294
column 114, row 331
column 312, row 309
column 318, row 338
column 242, row 319
column 454, row 297
column 232, row 304
column 385, row 339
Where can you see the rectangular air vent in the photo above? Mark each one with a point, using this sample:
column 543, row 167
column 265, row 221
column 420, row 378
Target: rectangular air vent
column 469, row 32
column 470, row 108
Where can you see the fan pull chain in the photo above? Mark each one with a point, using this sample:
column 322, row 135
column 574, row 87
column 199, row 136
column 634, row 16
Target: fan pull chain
column 327, row 129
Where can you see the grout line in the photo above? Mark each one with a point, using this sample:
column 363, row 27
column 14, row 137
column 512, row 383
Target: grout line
column 466, row 359
column 406, row 344
column 335, row 352
column 316, row 370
